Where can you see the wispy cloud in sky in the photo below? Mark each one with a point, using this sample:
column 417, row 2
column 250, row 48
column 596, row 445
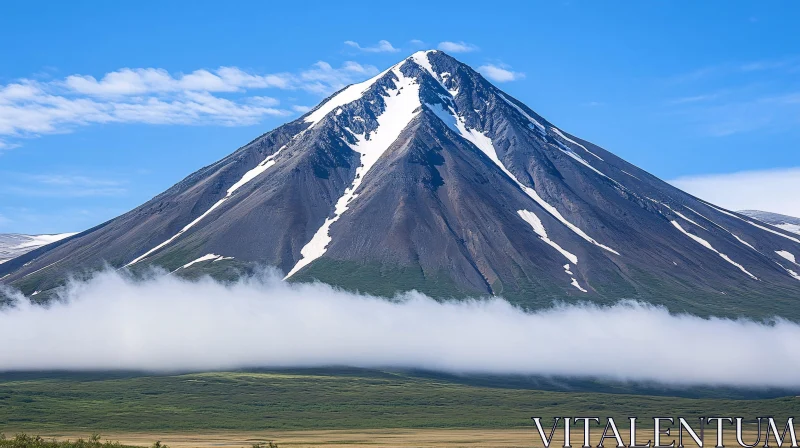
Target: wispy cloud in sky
column 500, row 73
column 791, row 63
column 457, row 47
column 768, row 190
column 38, row 220
column 154, row 96
column 740, row 111
column 694, row 98
column 383, row 46
column 61, row 185
column 735, row 98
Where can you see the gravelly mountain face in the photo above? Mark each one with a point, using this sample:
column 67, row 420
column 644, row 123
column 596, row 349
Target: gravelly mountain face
column 429, row 177
column 788, row 223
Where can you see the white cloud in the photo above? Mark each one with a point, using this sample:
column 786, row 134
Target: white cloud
column 694, row 99
column 207, row 325
column 457, row 47
column 417, row 43
column 325, row 79
column 499, row 73
column 149, row 80
column 383, row 46
column 30, row 108
column 768, row 190
column 60, row 185
column 301, row 109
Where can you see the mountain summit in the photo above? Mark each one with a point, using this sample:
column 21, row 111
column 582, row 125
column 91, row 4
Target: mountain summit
column 429, row 177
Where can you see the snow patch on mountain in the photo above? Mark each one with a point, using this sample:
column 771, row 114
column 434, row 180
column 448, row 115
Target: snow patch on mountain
column 739, row 239
column 783, row 254
column 207, row 257
column 568, row 151
column 540, row 127
column 422, row 59
column 402, row 105
column 792, row 273
column 536, row 223
column 538, row 228
column 484, row 143
column 346, row 96
column 246, row 178
column 787, row 255
column 681, row 215
column 561, row 134
column 577, row 285
column 708, row 246
column 629, row 174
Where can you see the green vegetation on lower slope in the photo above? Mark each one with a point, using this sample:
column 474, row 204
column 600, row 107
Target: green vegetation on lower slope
column 380, row 280
column 317, row 399
column 531, row 294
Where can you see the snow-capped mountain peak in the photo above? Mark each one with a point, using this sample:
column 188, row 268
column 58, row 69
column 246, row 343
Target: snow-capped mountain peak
column 429, row 177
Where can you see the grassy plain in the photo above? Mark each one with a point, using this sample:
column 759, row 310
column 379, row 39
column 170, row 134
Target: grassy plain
column 86, row 403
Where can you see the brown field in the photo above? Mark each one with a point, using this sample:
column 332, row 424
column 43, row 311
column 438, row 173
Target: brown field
column 389, row 438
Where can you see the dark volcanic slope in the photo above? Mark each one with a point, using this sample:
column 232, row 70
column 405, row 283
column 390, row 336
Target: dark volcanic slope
column 429, row 177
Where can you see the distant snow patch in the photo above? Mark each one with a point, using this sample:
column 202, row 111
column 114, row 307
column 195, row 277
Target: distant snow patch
column 708, row 246
column 783, row 254
column 43, row 240
column 752, row 223
column 14, row 245
column 794, row 228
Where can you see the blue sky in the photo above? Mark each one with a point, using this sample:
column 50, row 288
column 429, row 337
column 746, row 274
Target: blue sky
column 105, row 104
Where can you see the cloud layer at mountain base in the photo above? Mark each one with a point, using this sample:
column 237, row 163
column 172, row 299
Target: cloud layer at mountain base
column 165, row 323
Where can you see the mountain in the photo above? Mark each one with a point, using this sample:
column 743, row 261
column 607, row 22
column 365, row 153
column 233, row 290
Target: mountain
column 13, row 245
column 429, row 177
column 788, row 223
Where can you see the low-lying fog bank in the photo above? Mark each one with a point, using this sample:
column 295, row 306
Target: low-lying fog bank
column 165, row 323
